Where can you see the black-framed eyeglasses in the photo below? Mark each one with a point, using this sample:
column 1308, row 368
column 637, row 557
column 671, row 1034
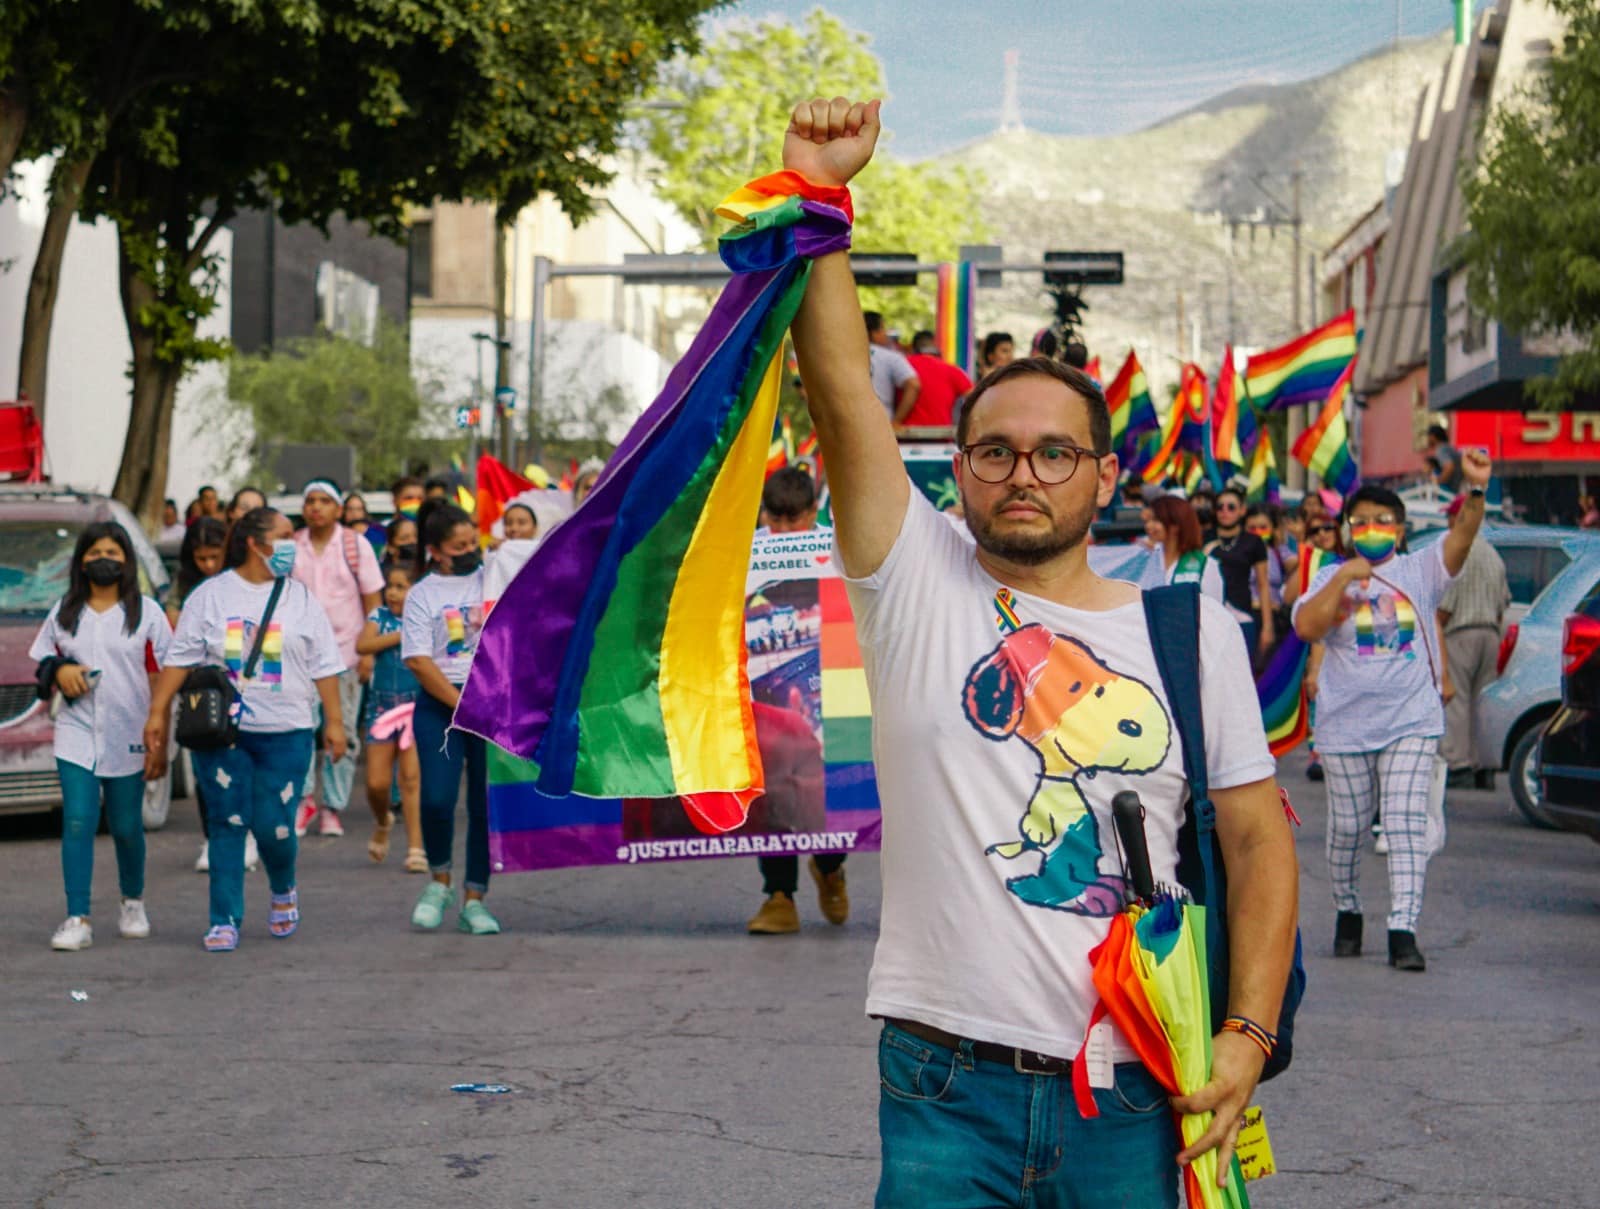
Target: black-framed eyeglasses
column 1313, row 530
column 1052, row 464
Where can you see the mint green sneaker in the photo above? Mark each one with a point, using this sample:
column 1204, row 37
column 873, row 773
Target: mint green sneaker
column 475, row 919
column 429, row 911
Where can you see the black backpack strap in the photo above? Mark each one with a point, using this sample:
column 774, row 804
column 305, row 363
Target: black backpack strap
column 1172, row 615
column 261, row 630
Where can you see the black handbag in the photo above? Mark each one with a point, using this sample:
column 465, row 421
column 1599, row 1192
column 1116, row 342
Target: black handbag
column 208, row 704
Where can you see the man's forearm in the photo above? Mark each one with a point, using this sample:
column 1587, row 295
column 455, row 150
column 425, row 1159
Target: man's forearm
column 1263, row 908
column 1459, row 540
column 830, row 344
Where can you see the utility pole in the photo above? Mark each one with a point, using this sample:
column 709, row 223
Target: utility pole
column 1297, row 415
column 1183, row 328
column 504, row 422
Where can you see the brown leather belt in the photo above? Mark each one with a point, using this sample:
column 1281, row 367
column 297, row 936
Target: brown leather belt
column 1023, row 1061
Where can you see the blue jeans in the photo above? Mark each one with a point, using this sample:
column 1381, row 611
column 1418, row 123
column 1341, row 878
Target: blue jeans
column 252, row 786
column 80, row 819
column 443, row 754
column 959, row 1133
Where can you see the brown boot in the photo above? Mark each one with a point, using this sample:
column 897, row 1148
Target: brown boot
column 831, row 895
column 777, row 917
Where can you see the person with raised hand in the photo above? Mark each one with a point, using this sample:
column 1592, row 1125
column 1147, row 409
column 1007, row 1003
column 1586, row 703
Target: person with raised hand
column 1015, row 693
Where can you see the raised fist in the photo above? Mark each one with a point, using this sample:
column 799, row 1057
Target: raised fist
column 828, row 142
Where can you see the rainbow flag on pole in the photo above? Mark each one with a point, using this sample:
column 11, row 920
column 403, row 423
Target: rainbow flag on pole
column 615, row 660
column 1305, row 369
column 1184, row 426
column 1324, row 448
column 1234, row 430
column 1264, row 485
column 953, row 313
column 1132, row 412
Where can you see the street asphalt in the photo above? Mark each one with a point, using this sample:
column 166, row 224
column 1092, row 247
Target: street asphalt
column 658, row 1056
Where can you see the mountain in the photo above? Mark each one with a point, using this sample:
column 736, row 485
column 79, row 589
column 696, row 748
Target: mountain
column 1173, row 196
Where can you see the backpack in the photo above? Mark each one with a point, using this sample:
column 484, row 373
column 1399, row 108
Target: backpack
column 1172, row 615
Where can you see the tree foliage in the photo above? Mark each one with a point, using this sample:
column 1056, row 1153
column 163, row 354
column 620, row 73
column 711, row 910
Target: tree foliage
column 717, row 119
column 1534, row 207
column 329, row 390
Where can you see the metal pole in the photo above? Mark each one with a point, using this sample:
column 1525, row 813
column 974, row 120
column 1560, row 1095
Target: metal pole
column 542, row 272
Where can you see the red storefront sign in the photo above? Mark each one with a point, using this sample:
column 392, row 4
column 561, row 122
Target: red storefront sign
column 1539, row 436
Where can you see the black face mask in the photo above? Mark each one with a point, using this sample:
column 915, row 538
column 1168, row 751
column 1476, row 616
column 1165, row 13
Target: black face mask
column 466, row 564
column 103, row 572
column 405, row 554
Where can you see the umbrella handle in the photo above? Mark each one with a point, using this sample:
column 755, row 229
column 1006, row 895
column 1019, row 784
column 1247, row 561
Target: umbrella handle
column 1128, row 813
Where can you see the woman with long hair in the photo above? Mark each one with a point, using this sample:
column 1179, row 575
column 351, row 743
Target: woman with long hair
column 102, row 641
column 254, row 609
column 1177, row 550
column 439, row 635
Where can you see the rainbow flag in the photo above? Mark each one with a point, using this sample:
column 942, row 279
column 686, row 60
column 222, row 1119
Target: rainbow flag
column 953, row 310
column 1264, row 485
column 1281, row 689
column 777, row 451
column 616, row 662
column 1324, row 448
column 1234, row 430
column 1305, row 369
column 1132, row 412
column 1184, row 423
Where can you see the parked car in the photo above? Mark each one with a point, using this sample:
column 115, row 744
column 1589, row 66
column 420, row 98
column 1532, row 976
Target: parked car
column 39, row 525
column 1569, row 746
column 1533, row 554
column 1513, row 709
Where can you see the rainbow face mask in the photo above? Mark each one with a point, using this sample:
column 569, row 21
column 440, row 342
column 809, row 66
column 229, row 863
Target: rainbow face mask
column 1375, row 543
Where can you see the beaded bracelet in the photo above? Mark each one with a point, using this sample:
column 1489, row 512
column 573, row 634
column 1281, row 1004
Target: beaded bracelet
column 1249, row 1028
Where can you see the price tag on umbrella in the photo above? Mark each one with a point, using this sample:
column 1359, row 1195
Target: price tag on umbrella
column 1254, row 1148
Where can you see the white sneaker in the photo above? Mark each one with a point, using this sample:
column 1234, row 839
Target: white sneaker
column 73, row 935
column 133, row 923
column 202, row 863
column 252, row 855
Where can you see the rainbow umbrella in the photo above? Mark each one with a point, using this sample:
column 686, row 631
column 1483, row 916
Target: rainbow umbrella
column 1152, row 974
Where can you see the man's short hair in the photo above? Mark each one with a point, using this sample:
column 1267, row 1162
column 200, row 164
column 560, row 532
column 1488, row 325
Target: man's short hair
column 206, row 488
column 1439, row 433
column 1236, row 493
column 789, row 493
column 993, row 341
column 1075, row 353
column 437, row 482
column 874, row 321
column 1074, row 380
column 403, row 482
column 924, row 336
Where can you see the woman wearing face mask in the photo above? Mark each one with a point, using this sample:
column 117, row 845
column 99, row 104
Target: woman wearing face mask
column 1379, row 712
column 1177, row 556
column 439, row 634
column 254, row 785
column 101, row 643
column 200, row 557
column 400, row 541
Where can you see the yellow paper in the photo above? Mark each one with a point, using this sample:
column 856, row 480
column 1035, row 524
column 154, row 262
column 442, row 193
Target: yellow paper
column 1254, row 1147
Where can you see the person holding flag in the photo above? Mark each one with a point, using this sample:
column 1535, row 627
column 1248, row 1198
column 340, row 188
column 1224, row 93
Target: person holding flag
column 1017, row 693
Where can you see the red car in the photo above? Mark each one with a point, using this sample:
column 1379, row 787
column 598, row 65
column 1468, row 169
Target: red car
column 39, row 525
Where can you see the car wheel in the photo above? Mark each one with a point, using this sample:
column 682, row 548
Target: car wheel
column 1525, row 789
column 157, row 802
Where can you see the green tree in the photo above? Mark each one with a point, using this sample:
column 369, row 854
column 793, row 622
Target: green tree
column 716, row 120
column 360, row 107
column 330, row 390
column 1533, row 203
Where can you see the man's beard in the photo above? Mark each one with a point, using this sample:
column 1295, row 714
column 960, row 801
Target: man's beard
column 1030, row 549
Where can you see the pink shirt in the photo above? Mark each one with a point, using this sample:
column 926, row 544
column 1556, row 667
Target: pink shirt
column 328, row 576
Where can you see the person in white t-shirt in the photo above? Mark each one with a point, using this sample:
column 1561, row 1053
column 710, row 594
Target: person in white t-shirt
column 103, row 641
column 1380, row 712
column 438, row 637
column 998, row 754
column 1177, row 553
column 254, row 784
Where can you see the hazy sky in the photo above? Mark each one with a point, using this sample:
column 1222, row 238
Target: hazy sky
column 1100, row 67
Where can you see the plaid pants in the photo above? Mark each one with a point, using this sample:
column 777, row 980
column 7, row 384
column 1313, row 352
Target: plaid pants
column 1399, row 777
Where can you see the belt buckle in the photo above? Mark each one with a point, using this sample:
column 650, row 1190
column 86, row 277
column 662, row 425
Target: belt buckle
column 1018, row 1057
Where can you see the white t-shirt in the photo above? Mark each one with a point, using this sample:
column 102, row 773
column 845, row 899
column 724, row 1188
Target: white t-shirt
column 443, row 618
column 1377, row 683
column 504, row 561
column 965, row 718
column 218, row 626
column 103, row 730
column 1157, row 574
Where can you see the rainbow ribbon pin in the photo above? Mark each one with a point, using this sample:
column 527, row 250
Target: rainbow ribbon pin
column 1006, row 619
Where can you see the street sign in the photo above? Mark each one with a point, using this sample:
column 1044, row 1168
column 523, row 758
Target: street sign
column 1083, row 268
column 467, row 417
column 505, row 398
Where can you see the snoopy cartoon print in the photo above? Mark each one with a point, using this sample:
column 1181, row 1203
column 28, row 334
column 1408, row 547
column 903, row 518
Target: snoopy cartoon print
column 1081, row 718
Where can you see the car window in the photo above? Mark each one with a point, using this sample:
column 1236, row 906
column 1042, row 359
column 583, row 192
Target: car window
column 34, row 560
column 1525, row 571
column 1556, row 561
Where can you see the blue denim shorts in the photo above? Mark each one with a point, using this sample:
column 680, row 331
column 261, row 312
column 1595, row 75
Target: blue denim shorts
column 378, row 704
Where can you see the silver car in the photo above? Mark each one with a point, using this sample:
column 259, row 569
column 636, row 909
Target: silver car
column 1512, row 710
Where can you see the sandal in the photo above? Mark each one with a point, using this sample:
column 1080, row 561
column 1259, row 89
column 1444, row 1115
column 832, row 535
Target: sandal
column 378, row 845
column 222, row 938
column 284, row 916
column 416, row 860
